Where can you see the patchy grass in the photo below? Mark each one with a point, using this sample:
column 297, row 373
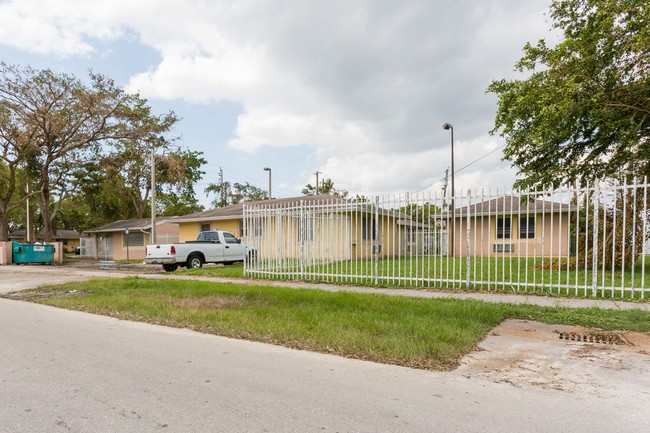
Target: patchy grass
column 209, row 270
column 505, row 273
column 422, row 333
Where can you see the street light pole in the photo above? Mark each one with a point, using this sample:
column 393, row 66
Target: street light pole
column 317, row 181
column 449, row 126
column 153, row 194
column 269, row 170
column 152, row 140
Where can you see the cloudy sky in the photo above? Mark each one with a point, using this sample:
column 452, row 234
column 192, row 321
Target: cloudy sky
column 357, row 89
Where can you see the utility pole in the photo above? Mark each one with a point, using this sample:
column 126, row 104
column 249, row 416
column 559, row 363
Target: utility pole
column 224, row 196
column 153, row 194
column 28, row 227
column 317, row 181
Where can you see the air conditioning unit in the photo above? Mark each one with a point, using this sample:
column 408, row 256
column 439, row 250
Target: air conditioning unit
column 503, row 248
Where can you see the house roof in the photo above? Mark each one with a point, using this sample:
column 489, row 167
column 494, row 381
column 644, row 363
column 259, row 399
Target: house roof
column 133, row 224
column 60, row 234
column 236, row 211
column 512, row 204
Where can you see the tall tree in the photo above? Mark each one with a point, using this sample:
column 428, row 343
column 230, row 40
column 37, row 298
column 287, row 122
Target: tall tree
column 426, row 212
column 17, row 143
column 177, row 171
column 63, row 122
column 223, row 191
column 326, row 187
column 584, row 111
column 243, row 192
column 236, row 193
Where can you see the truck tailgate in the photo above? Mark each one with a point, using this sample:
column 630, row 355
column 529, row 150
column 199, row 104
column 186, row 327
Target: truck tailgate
column 160, row 254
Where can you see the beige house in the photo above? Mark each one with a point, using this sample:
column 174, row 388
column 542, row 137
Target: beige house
column 510, row 226
column 317, row 227
column 112, row 242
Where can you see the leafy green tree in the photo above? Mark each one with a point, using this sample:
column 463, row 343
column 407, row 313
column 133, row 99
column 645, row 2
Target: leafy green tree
column 236, row 193
column 179, row 171
column 584, row 111
column 54, row 124
column 223, row 191
column 326, row 187
column 244, row 192
column 16, row 145
column 426, row 212
column 13, row 205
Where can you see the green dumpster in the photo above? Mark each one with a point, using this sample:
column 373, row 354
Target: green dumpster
column 33, row 253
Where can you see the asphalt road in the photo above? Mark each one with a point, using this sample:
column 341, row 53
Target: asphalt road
column 66, row 371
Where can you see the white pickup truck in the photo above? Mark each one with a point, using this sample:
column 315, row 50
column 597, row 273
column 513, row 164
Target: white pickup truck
column 209, row 247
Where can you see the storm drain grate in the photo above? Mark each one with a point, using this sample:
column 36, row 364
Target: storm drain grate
column 592, row 338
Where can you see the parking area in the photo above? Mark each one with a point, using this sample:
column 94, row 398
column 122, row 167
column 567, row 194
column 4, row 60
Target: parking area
column 20, row 277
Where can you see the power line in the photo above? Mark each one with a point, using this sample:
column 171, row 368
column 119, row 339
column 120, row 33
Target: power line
column 464, row 167
column 242, row 176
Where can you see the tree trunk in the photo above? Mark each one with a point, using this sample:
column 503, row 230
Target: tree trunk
column 44, row 208
column 4, row 226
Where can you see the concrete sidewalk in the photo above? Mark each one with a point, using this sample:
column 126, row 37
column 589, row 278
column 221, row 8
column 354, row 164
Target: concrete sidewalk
column 24, row 277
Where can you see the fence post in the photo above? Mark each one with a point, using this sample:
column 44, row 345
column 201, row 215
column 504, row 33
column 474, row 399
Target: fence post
column 376, row 240
column 594, row 254
column 301, row 228
column 469, row 202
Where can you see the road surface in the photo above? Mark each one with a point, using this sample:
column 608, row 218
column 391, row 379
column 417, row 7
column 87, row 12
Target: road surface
column 67, row 371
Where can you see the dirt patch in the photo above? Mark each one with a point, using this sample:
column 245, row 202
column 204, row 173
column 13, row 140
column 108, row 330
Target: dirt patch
column 26, row 295
column 531, row 354
column 210, row 302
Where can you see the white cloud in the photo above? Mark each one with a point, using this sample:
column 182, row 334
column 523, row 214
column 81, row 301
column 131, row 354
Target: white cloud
column 365, row 84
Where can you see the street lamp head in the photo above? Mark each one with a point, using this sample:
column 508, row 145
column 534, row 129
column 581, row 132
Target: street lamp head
column 267, row 169
column 448, row 126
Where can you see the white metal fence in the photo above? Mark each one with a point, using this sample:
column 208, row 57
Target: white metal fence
column 585, row 242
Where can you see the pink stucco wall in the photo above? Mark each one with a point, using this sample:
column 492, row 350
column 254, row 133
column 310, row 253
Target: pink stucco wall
column 5, row 252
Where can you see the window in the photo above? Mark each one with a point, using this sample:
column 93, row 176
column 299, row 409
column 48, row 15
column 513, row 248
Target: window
column 527, row 228
column 205, row 227
column 136, row 239
column 504, row 227
column 368, row 229
column 229, row 238
column 255, row 224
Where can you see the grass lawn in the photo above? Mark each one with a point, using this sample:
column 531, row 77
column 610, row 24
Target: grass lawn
column 422, row 333
column 231, row 271
column 510, row 274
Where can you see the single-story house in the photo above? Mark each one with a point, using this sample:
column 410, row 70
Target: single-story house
column 69, row 239
column 316, row 227
column 509, row 225
column 112, row 242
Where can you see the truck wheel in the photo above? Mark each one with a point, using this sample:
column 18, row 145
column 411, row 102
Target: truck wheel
column 170, row 268
column 194, row 262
